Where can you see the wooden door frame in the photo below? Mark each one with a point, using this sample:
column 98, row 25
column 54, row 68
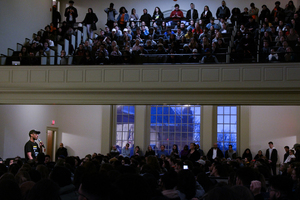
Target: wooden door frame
column 54, row 147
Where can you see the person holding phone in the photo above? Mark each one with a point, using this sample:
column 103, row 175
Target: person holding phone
column 71, row 14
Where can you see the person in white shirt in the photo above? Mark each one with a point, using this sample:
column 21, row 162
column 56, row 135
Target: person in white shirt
column 290, row 157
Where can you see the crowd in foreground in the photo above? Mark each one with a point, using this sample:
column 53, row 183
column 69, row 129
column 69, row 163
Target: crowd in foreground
column 198, row 38
column 114, row 176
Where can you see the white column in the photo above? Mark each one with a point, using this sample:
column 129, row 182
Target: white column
column 140, row 130
column 106, row 130
column 207, row 132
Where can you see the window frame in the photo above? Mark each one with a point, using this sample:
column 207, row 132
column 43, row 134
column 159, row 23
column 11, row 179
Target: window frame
column 114, row 127
column 215, row 126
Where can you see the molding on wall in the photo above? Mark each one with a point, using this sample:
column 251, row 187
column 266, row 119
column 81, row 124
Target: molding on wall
column 247, row 84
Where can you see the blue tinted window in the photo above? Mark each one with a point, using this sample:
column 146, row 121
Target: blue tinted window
column 226, row 127
column 174, row 125
column 125, row 127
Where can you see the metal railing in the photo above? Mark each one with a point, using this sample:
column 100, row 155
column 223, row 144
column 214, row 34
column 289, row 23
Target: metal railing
column 134, row 59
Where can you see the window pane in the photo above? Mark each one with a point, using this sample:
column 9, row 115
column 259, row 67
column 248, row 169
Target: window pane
column 159, row 110
column 220, row 110
column 233, row 119
column 220, row 128
column 153, row 110
column 226, row 110
column 220, row 119
column 233, row 110
column 220, row 137
column 197, row 110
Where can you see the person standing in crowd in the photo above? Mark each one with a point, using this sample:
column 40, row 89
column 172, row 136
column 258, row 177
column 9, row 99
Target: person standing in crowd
column 214, row 152
column 146, row 17
column 253, row 12
column 56, row 17
column 31, row 148
column 174, row 153
column 206, row 15
column 134, row 16
column 61, row 151
column 193, row 154
column 277, row 12
column 192, row 14
column 122, row 18
column 223, row 11
column 176, row 15
column 90, row 20
column 157, row 16
column 71, row 14
column 286, row 149
column 265, row 13
column 272, row 155
column 111, row 14
column 230, row 153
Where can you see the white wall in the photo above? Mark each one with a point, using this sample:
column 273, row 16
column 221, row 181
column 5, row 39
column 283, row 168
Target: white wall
column 279, row 124
column 139, row 5
column 79, row 127
column 20, row 19
column 15, row 123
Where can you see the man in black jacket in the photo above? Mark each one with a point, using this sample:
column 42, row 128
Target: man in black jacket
column 223, row 11
column 192, row 14
column 272, row 156
column 214, row 152
column 71, row 14
column 146, row 17
column 61, row 151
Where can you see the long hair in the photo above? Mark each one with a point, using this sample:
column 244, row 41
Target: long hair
column 159, row 11
column 121, row 10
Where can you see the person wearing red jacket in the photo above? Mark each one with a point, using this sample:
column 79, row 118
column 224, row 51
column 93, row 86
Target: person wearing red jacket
column 176, row 14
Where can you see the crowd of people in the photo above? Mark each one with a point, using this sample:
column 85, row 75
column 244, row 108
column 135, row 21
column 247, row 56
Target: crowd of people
column 189, row 174
column 197, row 37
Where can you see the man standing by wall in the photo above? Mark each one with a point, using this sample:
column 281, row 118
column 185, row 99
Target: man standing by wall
column 192, row 14
column 61, row 151
column 71, row 14
column 31, row 148
column 272, row 155
column 176, row 15
column 111, row 13
column 223, row 11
